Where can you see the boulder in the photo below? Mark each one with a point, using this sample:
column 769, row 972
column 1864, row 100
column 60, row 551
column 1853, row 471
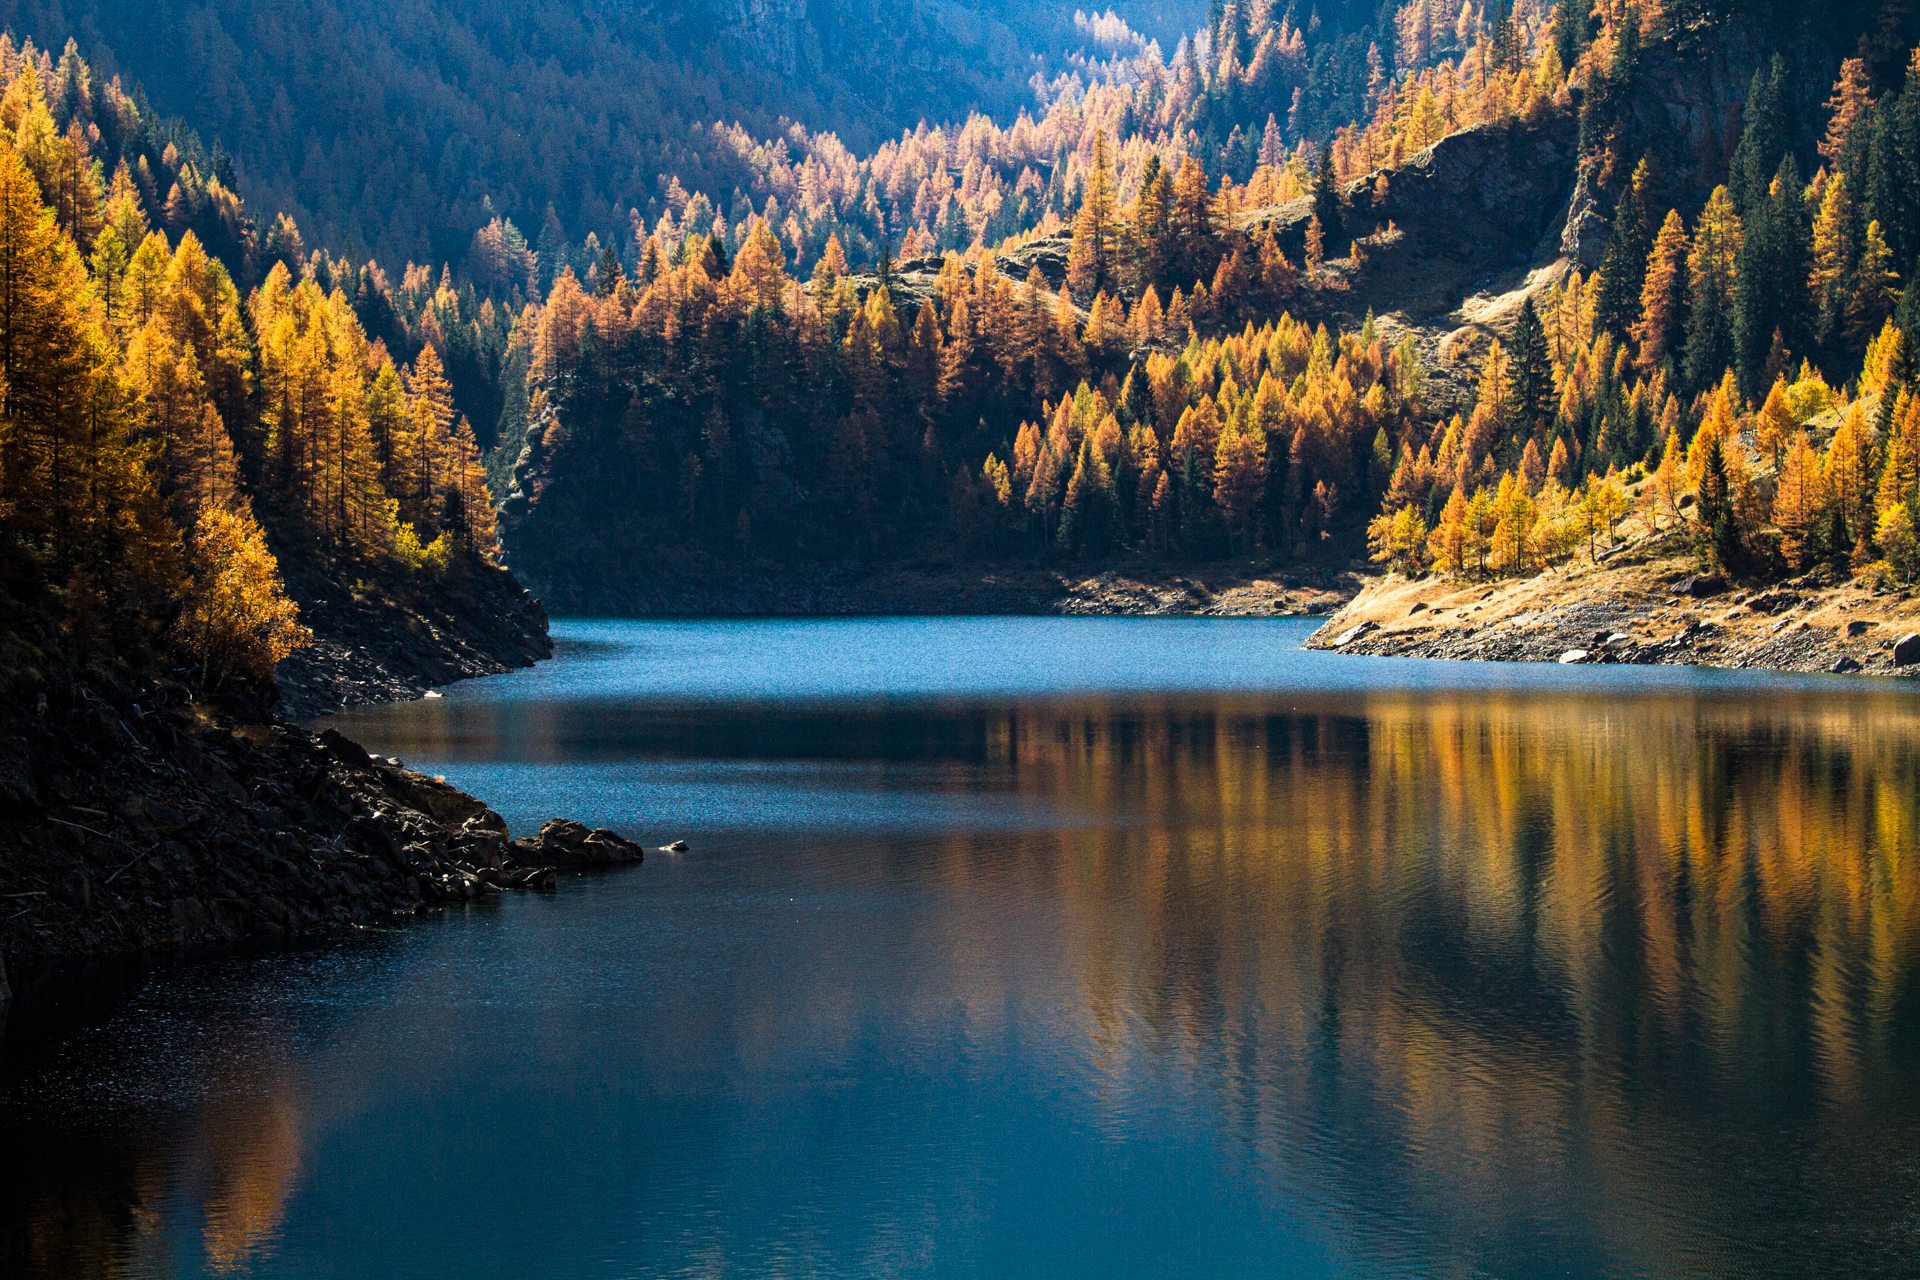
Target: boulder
column 1572, row 656
column 1857, row 628
column 190, row 917
column 1700, row 586
column 1907, row 651
column 565, row 843
column 345, row 750
column 1844, row 666
column 1351, row 634
column 439, row 801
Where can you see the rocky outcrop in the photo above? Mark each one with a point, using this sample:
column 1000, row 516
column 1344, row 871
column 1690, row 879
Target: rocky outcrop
column 1485, row 202
column 565, row 843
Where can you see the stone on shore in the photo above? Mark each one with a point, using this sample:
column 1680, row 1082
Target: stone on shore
column 565, row 843
column 1351, row 634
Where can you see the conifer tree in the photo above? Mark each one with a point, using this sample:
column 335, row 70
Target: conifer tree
column 1771, row 272
column 1832, row 277
column 1659, row 333
column 1711, row 267
column 430, row 418
column 1799, row 505
column 1623, row 272
column 1851, row 102
column 1872, row 293
column 1763, row 138
column 1534, row 400
column 1326, row 199
column 1192, row 221
column 1239, row 476
column 760, row 269
column 1092, row 259
column 1572, row 30
column 238, row 620
column 1150, row 226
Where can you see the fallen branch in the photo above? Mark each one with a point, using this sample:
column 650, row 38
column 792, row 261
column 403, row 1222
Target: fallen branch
column 77, row 827
column 137, row 857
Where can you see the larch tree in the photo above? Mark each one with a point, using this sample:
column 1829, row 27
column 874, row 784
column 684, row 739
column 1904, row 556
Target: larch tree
column 1660, row 331
column 1830, row 282
column 238, row 620
column 430, row 418
column 760, row 269
column 1092, row 257
column 1239, row 477
column 1850, row 104
column 1711, row 264
column 1192, row 220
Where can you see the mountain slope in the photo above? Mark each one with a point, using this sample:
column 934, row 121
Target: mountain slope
column 401, row 127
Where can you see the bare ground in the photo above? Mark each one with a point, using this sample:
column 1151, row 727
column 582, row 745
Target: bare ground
column 1645, row 605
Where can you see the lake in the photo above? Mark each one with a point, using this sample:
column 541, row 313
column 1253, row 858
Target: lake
column 1055, row 948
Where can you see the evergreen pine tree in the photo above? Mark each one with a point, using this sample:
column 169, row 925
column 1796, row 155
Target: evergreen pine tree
column 1624, row 269
column 1326, row 200
column 1763, row 138
column 1771, row 272
column 1534, row 401
column 1572, row 30
column 1606, row 103
column 1710, row 289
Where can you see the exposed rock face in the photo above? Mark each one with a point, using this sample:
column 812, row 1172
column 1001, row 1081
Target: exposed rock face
column 1481, row 198
column 1480, row 203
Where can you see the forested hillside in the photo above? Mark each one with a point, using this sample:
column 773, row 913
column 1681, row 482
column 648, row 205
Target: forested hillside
column 1125, row 376
column 1224, row 302
column 156, row 418
column 396, row 129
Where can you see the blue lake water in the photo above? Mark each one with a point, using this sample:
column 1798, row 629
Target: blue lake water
column 1057, row 948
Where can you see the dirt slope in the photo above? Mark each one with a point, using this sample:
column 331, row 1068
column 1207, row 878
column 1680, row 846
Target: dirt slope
column 1655, row 608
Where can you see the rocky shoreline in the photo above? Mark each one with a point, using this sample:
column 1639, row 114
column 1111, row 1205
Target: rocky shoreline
column 139, row 818
column 394, row 642
column 681, row 584
column 1657, row 608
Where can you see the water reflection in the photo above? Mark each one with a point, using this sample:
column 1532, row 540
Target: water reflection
column 1371, row 982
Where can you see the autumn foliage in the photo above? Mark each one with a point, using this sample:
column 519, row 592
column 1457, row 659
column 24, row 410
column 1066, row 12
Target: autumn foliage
column 160, row 429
